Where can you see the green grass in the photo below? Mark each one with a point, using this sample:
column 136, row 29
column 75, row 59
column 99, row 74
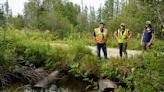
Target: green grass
column 133, row 44
column 142, row 72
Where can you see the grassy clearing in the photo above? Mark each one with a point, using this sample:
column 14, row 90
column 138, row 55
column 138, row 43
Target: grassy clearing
column 133, row 44
column 143, row 73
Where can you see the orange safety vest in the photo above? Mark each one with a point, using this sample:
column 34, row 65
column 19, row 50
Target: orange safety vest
column 101, row 37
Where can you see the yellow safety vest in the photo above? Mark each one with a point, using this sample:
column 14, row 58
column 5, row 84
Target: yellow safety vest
column 123, row 36
column 101, row 37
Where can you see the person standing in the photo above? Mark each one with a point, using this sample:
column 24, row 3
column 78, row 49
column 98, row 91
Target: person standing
column 101, row 37
column 122, row 35
column 147, row 36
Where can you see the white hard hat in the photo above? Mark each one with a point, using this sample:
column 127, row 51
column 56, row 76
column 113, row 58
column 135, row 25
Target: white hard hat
column 122, row 24
column 148, row 22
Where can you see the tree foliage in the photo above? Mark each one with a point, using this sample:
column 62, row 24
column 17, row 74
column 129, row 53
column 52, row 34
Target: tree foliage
column 135, row 13
column 2, row 17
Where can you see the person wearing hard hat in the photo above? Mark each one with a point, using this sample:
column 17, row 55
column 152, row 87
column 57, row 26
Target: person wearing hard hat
column 147, row 36
column 122, row 35
column 101, row 37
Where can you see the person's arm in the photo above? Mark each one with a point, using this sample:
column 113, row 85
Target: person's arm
column 142, row 37
column 107, row 34
column 152, row 38
column 116, row 35
column 94, row 35
column 129, row 35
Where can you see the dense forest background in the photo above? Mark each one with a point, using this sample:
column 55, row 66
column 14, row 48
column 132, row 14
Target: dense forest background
column 27, row 43
column 65, row 19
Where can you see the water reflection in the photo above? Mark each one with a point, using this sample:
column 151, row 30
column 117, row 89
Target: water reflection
column 28, row 88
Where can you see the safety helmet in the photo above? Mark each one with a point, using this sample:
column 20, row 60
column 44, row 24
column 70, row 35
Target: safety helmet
column 122, row 24
column 148, row 22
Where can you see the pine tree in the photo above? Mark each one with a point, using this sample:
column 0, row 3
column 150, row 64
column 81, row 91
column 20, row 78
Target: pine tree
column 108, row 9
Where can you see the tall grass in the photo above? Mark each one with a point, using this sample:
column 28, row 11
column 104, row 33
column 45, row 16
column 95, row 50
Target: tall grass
column 18, row 48
column 34, row 49
column 133, row 44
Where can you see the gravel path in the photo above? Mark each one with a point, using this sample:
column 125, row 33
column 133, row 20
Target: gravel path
column 112, row 52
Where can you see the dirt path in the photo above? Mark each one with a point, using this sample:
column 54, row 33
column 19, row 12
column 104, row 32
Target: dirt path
column 112, row 52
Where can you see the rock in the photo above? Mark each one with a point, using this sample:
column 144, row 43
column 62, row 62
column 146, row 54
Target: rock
column 106, row 85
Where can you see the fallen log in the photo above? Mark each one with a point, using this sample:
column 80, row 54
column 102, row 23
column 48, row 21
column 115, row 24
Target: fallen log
column 41, row 72
column 47, row 80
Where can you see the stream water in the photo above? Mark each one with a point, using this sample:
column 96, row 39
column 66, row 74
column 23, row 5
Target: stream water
column 68, row 84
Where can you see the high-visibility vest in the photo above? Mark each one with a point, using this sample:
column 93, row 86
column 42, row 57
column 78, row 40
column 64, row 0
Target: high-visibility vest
column 101, row 37
column 122, row 36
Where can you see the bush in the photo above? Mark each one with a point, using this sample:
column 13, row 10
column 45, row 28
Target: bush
column 141, row 74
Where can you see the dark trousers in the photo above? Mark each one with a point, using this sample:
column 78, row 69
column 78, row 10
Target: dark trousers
column 123, row 47
column 144, row 45
column 103, row 47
